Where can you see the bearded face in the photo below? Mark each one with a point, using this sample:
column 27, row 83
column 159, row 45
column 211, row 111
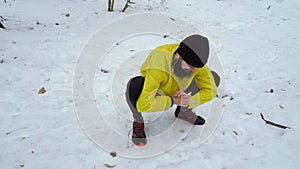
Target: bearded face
column 178, row 70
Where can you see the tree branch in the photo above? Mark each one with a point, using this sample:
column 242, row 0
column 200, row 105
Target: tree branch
column 273, row 124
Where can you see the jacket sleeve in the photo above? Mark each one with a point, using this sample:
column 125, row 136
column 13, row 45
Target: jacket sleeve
column 207, row 86
column 149, row 101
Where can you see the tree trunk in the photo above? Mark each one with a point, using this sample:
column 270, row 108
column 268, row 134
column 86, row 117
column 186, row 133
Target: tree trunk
column 111, row 5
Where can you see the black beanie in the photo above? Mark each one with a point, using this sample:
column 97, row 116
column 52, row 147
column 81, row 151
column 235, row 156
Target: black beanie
column 194, row 50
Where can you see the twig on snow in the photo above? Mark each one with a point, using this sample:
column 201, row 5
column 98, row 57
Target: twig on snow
column 127, row 5
column 10, row 132
column 274, row 124
column 3, row 19
column 2, row 26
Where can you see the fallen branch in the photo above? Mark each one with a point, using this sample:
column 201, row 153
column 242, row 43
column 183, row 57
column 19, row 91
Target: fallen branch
column 274, row 124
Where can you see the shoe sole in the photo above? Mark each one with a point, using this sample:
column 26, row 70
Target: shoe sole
column 190, row 122
column 140, row 145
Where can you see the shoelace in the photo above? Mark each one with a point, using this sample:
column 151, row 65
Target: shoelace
column 138, row 128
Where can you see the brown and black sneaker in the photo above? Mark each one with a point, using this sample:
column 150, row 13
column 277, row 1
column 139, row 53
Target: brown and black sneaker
column 189, row 116
column 138, row 133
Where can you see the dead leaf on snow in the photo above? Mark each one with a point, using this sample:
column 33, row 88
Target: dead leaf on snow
column 109, row 166
column 113, row 154
column 235, row 133
column 281, row 107
column 249, row 113
column 104, row 71
column 42, row 90
column 67, row 15
column 165, row 36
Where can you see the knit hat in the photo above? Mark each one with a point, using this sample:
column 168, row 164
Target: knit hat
column 194, row 50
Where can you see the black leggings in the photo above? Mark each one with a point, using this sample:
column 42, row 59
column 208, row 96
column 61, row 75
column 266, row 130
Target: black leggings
column 135, row 87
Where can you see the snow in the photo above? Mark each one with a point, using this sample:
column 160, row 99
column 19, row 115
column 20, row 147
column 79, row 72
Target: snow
column 256, row 41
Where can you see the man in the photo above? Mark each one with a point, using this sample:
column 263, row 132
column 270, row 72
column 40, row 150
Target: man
column 172, row 74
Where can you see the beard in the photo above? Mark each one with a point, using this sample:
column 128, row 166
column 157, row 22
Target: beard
column 178, row 70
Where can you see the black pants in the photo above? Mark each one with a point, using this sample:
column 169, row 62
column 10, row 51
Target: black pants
column 135, row 87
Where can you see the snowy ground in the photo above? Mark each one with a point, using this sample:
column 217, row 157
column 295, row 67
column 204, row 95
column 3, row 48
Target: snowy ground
column 257, row 42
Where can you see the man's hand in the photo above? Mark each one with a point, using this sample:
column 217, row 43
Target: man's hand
column 180, row 98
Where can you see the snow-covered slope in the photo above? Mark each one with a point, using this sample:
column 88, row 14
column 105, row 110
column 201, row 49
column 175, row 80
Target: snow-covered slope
column 256, row 41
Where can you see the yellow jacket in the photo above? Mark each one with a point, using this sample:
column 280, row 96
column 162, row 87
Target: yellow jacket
column 157, row 70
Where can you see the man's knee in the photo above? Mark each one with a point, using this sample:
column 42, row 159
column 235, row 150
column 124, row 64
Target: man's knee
column 193, row 88
column 134, row 88
column 216, row 77
column 135, row 83
column 138, row 81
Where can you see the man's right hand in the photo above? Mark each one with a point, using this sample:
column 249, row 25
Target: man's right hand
column 182, row 99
